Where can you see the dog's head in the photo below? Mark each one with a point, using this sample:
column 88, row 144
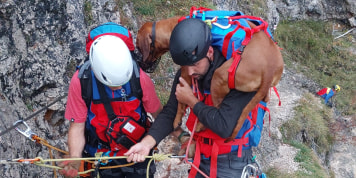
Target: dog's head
column 149, row 60
column 153, row 42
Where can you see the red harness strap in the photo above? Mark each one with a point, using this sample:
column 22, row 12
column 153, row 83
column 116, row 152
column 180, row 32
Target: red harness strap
column 214, row 153
column 269, row 115
column 237, row 54
column 275, row 90
column 196, row 163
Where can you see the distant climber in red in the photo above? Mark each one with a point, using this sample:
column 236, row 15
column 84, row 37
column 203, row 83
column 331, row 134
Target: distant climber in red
column 327, row 93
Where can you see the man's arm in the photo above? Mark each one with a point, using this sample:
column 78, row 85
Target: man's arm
column 76, row 139
column 163, row 124
column 221, row 120
column 161, row 127
column 150, row 100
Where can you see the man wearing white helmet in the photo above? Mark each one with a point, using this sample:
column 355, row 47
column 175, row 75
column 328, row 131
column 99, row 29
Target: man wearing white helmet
column 115, row 118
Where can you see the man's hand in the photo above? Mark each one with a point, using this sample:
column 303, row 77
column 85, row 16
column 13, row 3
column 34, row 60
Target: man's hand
column 139, row 151
column 184, row 93
column 70, row 168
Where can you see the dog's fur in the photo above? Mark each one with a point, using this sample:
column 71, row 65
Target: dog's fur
column 260, row 68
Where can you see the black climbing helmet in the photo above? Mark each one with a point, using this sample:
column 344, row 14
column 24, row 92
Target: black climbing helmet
column 190, row 41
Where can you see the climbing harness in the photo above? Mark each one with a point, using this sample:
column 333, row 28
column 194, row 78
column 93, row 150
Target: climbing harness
column 187, row 153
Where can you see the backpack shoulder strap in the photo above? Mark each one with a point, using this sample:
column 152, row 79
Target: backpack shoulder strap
column 136, row 90
column 135, row 81
column 85, row 78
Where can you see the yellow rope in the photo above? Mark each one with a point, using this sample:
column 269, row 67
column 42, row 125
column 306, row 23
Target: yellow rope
column 157, row 157
column 41, row 162
column 50, row 147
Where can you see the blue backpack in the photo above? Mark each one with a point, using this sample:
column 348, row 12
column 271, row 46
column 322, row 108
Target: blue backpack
column 230, row 30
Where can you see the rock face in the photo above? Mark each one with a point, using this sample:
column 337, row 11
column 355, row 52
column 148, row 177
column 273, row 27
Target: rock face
column 41, row 42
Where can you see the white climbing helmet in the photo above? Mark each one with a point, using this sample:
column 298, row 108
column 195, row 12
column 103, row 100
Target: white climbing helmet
column 111, row 61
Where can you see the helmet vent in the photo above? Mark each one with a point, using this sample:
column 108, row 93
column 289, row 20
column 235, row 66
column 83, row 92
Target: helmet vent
column 104, row 77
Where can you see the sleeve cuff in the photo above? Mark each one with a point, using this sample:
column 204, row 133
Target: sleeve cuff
column 197, row 108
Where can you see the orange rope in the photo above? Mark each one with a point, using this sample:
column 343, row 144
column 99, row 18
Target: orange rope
column 45, row 143
column 50, row 147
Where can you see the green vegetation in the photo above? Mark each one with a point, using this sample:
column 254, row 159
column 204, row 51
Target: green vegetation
column 309, row 48
column 276, row 173
column 308, row 162
column 88, row 16
column 158, row 9
column 308, row 129
column 311, row 123
column 163, row 77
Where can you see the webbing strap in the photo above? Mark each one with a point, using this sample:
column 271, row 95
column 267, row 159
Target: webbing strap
column 106, row 101
column 237, row 54
column 215, row 153
column 269, row 114
column 227, row 38
column 232, row 70
column 214, row 160
column 193, row 10
column 275, row 90
column 193, row 172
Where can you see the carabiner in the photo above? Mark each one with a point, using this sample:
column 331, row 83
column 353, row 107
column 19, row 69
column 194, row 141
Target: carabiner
column 27, row 133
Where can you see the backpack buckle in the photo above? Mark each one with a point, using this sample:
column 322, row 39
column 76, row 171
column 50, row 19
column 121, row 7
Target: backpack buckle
column 207, row 141
column 240, row 49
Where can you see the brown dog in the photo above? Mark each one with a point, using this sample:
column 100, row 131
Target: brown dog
column 260, row 68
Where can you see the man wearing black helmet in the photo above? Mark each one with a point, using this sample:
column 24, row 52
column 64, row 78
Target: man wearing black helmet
column 190, row 46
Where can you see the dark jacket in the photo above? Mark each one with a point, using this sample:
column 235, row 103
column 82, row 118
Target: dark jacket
column 222, row 121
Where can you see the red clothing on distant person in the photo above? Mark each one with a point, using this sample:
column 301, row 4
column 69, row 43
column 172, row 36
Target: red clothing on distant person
column 326, row 93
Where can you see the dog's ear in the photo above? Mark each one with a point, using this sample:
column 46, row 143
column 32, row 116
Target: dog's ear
column 144, row 39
